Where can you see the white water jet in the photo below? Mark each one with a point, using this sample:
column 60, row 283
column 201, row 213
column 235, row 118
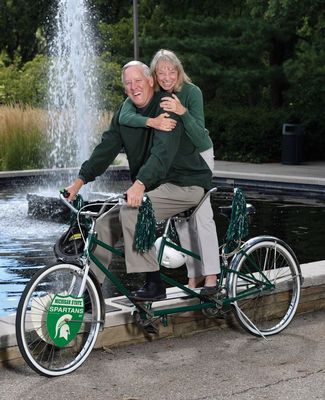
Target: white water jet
column 72, row 95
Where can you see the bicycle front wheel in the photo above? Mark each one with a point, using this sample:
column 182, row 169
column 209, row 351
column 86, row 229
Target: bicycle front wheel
column 38, row 346
column 265, row 285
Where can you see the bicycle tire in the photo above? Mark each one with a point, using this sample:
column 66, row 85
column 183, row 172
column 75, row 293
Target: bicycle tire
column 266, row 312
column 32, row 333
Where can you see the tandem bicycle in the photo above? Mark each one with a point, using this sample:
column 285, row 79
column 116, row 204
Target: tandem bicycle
column 62, row 309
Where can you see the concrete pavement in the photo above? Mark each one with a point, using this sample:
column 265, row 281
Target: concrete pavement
column 212, row 365
column 307, row 180
column 308, row 173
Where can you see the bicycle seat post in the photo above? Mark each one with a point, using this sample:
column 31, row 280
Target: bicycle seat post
column 167, row 225
column 164, row 238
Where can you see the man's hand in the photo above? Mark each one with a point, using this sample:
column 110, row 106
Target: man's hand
column 162, row 122
column 74, row 189
column 135, row 194
column 172, row 104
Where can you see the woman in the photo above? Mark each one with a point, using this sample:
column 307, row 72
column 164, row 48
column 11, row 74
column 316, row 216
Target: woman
column 187, row 101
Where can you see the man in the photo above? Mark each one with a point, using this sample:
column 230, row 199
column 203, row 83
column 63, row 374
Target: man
column 166, row 166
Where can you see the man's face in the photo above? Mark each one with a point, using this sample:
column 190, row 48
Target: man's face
column 138, row 87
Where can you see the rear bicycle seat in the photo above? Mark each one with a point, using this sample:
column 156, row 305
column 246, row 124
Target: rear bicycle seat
column 187, row 214
column 223, row 210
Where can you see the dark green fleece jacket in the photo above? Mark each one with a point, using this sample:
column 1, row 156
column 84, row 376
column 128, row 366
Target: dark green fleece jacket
column 193, row 119
column 154, row 157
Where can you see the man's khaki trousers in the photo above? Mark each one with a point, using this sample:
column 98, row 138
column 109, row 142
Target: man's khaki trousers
column 167, row 200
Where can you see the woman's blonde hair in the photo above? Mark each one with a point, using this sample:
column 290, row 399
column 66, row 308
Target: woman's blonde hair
column 170, row 57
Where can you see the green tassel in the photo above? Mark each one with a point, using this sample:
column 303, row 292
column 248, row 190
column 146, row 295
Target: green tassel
column 145, row 229
column 77, row 203
column 238, row 225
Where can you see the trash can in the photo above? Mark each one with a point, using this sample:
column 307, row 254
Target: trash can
column 292, row 144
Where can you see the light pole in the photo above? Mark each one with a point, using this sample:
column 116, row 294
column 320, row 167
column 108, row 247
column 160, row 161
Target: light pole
column 135, row 30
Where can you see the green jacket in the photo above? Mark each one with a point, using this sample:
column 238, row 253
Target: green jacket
column 193, row 119
column 154, row 157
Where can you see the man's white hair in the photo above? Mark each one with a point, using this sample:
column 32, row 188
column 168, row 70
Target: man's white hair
column 134, row 63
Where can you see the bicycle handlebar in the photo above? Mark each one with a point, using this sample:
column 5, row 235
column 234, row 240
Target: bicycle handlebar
column 120, row 198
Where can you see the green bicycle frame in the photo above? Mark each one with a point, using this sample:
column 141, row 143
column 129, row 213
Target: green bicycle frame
column 204, row 301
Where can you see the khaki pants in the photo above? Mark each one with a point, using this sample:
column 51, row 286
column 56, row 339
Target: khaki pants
column 167, row 200
column 199, row 235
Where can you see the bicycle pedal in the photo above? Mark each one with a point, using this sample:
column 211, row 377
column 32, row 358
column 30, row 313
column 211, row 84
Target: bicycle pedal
column 150, row 328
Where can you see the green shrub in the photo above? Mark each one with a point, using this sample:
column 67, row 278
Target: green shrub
column 306, row 95
column 26, row 85
column 246, row 134
column 111, row 90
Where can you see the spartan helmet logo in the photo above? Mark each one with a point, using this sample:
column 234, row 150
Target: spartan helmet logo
column 62, row 328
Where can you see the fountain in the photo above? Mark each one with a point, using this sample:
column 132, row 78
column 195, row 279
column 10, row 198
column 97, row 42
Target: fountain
column 27, row 244
column 72, row 102
column 73, row 86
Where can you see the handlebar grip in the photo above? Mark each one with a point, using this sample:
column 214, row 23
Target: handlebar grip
column 65, row 193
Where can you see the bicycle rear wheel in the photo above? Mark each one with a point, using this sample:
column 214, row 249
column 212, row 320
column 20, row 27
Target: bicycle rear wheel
column 265, row 310
column 37, row 346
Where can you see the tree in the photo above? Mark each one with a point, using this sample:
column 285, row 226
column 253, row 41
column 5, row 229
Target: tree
column 239, row 53
column 22, row 27
column 250, row 58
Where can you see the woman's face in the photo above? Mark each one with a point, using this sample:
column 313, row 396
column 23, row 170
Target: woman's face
column 167, row 75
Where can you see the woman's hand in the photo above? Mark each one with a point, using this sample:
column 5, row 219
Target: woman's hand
column 162, row 122
column 172, row 104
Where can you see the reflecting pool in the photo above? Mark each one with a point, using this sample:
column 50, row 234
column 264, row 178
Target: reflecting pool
column 26, row 244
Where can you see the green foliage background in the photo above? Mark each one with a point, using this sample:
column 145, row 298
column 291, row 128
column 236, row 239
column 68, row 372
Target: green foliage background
column 259, row 63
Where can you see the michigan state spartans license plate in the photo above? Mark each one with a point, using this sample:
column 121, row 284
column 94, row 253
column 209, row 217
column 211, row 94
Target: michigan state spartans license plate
column 64, row 319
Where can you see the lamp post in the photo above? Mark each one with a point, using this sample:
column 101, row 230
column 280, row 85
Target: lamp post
column 135, row 30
